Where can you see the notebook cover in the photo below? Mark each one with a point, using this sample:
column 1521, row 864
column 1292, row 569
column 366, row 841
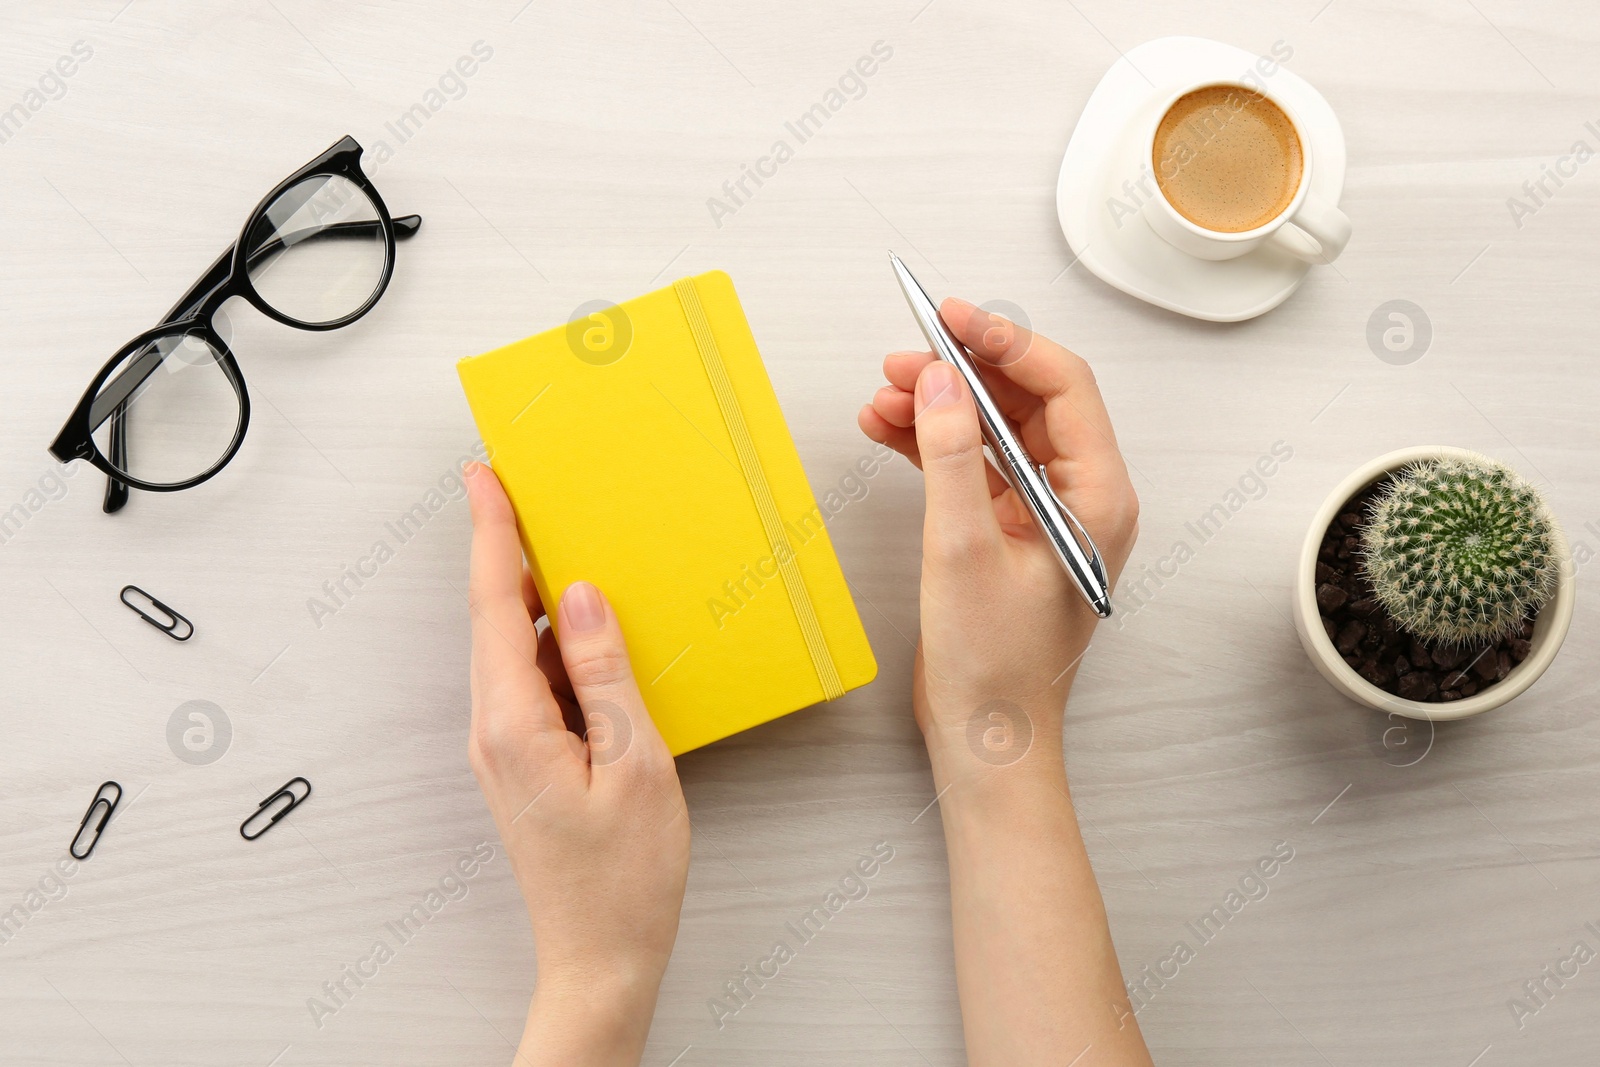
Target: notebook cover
column 624, row 471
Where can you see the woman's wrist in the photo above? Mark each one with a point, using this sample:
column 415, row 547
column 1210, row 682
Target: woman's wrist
column 981, row 784
column 1001, row 733
column 598, row 1019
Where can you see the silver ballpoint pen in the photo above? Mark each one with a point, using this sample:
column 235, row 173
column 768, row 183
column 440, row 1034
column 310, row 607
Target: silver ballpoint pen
column 1072, row 544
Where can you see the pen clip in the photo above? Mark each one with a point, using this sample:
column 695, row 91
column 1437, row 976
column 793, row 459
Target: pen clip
column 1079, row 533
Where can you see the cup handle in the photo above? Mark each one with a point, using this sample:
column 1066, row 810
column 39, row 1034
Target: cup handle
column 1317, row 233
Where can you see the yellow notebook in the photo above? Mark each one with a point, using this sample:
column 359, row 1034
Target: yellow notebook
column 644, row 451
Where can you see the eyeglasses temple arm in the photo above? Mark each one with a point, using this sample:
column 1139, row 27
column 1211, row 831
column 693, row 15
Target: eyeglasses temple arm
column 405, row 227
column 117, row 490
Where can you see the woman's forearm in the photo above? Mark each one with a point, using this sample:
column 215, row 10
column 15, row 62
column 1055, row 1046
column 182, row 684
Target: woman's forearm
column 1038, row 977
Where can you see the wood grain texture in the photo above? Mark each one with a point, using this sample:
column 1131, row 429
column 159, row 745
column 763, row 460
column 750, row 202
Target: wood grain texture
column 577, row 166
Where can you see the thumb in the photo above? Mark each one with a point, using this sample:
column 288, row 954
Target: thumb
column 596, row 657
column 960, row 515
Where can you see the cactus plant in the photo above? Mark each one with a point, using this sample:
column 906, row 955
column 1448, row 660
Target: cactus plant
column 1460, row 551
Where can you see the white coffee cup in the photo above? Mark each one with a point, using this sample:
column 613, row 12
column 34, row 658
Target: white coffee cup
column 1309, row 227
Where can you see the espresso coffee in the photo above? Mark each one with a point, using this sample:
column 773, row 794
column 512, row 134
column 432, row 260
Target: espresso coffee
column 1227, row 158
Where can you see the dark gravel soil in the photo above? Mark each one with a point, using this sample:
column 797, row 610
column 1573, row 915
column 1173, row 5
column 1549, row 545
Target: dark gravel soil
column 1375, row 646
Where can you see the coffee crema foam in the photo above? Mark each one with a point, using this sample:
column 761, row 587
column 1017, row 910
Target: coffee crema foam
column 1227, row 158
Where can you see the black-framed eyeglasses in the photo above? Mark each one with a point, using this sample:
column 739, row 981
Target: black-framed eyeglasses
column 170, row 409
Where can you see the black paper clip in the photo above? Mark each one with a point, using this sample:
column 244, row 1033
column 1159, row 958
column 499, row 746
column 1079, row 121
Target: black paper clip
column 174, row 623
column 286, row 790
column 109, row 803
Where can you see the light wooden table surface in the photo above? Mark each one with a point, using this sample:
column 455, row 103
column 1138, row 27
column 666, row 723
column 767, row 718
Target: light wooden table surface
column 577, row 165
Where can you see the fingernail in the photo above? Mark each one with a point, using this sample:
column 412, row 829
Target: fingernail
column 582, row 608
column 939, row 386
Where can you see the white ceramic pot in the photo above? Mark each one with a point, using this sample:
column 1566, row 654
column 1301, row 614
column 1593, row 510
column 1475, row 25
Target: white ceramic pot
column 1549, row 630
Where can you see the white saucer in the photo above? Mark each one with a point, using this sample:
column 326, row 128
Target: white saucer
column 1103, row 154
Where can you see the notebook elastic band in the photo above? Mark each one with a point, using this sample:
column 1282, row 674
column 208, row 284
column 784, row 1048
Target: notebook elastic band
column 733, row 416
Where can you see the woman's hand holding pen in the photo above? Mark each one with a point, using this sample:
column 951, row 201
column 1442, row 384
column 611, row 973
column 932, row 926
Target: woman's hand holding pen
column 1001, row 620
